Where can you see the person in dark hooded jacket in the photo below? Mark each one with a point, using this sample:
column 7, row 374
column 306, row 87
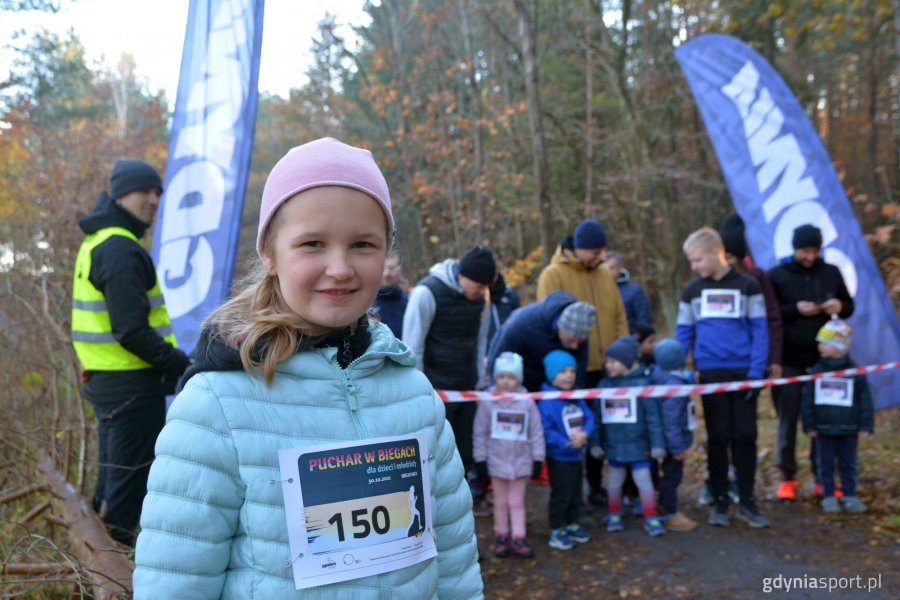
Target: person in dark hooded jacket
column 810, row 291
column 558, row 322
column 122, row 335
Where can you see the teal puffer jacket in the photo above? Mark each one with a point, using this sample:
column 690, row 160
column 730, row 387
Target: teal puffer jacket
column 213, row 522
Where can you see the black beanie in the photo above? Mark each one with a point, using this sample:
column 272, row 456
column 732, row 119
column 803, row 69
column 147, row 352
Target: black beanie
column 807, row 236
column 130, row 174
column 478, row 265
column 732, row 234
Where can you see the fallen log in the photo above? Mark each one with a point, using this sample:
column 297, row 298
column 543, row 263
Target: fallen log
column 34, row 569
column 104, row 559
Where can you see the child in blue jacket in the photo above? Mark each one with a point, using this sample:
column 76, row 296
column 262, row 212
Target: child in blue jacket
column 568, row 425
column 837, row 411
column 678, row 427
column 629, row 434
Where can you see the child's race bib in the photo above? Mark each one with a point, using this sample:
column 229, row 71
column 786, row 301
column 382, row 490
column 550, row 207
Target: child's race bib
column 509, row 424
column 357, row 508
column 619, row 410
column 573, row 419
column 720, row 304
column 834, row 391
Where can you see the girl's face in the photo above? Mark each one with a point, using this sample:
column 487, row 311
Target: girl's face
column 506, row 382
column 565, row 379
column 328, row 247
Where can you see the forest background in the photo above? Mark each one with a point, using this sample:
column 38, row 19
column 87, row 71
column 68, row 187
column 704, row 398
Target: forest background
column 497, row 122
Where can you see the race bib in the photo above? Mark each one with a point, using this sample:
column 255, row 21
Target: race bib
column 509, row 424
column 573, row 419
column 834, row 391
column 720, row 304
column 356, row 509
column 619, row 410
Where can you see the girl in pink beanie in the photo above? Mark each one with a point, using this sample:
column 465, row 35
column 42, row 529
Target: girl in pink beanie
column 259, row 476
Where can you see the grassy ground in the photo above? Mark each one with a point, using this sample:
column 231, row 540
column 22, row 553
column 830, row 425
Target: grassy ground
column 736, row 562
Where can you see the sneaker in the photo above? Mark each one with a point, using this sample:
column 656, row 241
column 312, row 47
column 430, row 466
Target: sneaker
column 679, row 522
column 719, row 517
column 749, row 515
column 637, row 508
column 501, row 547
column 733, row 493
column 559, row 539
column 614, row 522
column 521, row 549
column 481, row 509
column 830, row 505
column 852, row 504
column 705, row 498
column 654, row 526
column 788, row 490
column 820, row 493
column 578, row 534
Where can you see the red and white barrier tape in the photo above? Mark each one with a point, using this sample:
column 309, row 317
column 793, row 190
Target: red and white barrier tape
column 662, row 391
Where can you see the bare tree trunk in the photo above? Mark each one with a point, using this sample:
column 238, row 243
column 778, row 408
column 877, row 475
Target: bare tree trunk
column 540, row 168
column 477, row 129
column 896, row 4
column 874, row 68
column 588, row 110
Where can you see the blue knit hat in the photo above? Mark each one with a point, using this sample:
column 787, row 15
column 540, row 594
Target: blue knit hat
column 590, row 234
column 625, row 350
column 556, row 361
column 669, row 354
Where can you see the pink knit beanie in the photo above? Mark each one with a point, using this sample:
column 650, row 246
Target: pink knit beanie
column 323, row 162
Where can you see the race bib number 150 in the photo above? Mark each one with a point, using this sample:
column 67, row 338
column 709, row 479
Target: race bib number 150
column 356, row 509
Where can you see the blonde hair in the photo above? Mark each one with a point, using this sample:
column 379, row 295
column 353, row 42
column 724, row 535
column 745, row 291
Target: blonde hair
column 706, row 239
column 257, row 320
column 259, row 323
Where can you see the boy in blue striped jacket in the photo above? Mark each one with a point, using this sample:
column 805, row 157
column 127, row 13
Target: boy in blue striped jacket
column 722, row 323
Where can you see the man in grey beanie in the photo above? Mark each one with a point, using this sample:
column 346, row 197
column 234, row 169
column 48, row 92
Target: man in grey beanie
column 123, row 337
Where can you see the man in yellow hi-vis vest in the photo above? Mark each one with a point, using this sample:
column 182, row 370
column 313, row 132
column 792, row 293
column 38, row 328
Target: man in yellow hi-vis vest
column 123, row 337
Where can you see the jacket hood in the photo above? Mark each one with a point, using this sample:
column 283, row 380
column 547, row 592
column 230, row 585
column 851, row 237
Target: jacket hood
column 565, row 255
column 372, row 341
column 446, row 271
column 107, row 213
column 624, row 276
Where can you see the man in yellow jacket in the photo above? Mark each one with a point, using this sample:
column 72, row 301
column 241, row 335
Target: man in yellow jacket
column 575, row 268
column 123, row 337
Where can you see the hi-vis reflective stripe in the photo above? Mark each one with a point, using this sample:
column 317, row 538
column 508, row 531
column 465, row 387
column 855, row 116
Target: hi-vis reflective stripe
column 100, row 305
column 107, row 338
column 661, row 391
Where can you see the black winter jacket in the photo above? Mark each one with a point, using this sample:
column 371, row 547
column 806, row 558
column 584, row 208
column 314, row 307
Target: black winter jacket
column 124, row 273
column 794, row 283
column 827, row 419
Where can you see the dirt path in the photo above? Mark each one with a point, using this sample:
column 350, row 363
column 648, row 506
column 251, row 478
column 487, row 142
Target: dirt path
column 710, row 562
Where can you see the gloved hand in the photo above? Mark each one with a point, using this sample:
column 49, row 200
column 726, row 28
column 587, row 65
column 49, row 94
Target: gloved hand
column 536, row 469
column 481, row 470
column 657, row 453
column 597, row 452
